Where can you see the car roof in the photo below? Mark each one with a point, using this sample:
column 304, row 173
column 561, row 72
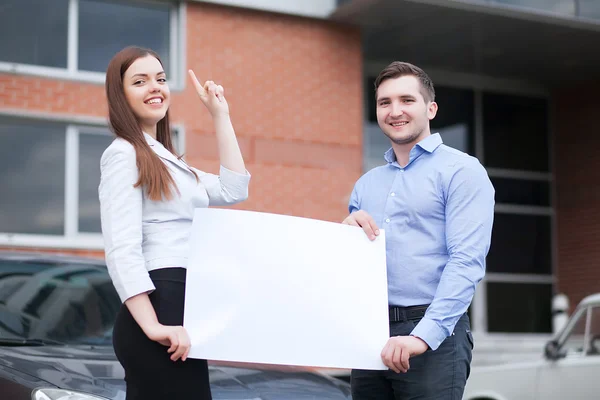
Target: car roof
column 10, row 255
column 591, row 299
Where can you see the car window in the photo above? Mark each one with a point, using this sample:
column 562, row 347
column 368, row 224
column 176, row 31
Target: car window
column 583, row 337
column 574, row 342
column 594, row 332
column 70, row 302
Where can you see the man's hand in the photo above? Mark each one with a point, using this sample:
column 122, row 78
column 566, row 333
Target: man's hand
column 365, row 221
column 399, row 349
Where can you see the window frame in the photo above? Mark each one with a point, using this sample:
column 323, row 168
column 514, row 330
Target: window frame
column 71, row 72
column 72, row 238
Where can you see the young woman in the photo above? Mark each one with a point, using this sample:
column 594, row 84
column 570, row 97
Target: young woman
column 147, row 197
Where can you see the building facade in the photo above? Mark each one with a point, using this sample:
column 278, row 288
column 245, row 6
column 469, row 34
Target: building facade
column 514, row 81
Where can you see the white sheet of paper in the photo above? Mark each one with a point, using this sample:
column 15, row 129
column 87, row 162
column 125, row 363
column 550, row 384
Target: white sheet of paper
column 275, row 289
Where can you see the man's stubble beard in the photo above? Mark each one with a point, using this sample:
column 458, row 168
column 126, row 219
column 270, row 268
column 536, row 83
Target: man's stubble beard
column 405, row 140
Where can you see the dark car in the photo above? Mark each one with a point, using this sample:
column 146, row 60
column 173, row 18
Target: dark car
column 56, row 318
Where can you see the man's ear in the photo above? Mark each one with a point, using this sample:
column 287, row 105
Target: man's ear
column 432, row 109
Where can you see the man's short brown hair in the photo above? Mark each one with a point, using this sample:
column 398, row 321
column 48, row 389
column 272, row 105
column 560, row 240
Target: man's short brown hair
column 399, row 68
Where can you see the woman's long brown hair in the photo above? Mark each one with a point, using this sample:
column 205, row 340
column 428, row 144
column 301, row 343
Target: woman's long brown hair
column 154, row 175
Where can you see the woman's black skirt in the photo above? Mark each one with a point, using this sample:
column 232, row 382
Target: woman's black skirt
column 149, row 371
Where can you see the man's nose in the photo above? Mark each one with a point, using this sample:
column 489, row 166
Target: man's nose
column 397, row 109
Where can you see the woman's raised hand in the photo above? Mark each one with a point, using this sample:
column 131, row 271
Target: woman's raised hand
column 212, row 95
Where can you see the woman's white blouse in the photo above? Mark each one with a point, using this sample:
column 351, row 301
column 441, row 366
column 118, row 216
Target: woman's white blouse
column 141, row 234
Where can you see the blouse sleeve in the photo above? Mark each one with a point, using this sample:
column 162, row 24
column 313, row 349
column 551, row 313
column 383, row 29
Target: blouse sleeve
column 227, row 188
column 121, row 216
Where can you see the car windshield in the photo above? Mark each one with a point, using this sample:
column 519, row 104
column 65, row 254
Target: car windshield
column 66, row 302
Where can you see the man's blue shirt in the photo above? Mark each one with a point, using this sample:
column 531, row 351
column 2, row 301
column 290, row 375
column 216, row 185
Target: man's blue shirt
column 437, row 213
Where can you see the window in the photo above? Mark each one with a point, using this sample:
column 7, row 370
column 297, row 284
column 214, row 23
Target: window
column 455, row 119
column 568, row 8
column 143, row 24
column 516, row 132
column 521, row 244
column 589, row 8
column 37, row 38
column 519, row 264
column 594, row 332
column 45, row 165
column 67, row 300
column 583, row 337
column 92, row 144
column 77, row 38
column 517, row 307
column 521, row 191
column 376, row 144
column 32, row 174
column 375, row 141
column 555, row 6
column 53, row 172
column 574, row 342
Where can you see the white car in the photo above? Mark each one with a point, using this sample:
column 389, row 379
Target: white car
column 568, row 369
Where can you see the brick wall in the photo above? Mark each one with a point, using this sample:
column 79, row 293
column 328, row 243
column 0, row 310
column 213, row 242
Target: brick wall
column 294, row 86
column 577, row 172
column 295, row 90
column 75, row 252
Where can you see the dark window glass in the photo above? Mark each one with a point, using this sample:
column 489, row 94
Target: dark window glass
column 91, row 147
column 69, row 301
column 556, row 6
column 375, row 145
column 371, row 105
column 32, row 175
column 34, row 32
column 575, row 342
column 375, row 141
column 515, row 132
column 105, row 27
column 455, row 118
column 589, row 8
column 519, row 307
column 594, row 332
column 520, row 191
column 520, row 244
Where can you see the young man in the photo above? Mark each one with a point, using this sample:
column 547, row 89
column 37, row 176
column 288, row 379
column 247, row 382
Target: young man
column 436, row 205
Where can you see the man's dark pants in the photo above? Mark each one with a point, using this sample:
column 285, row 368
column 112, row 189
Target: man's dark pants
column 433, row 375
